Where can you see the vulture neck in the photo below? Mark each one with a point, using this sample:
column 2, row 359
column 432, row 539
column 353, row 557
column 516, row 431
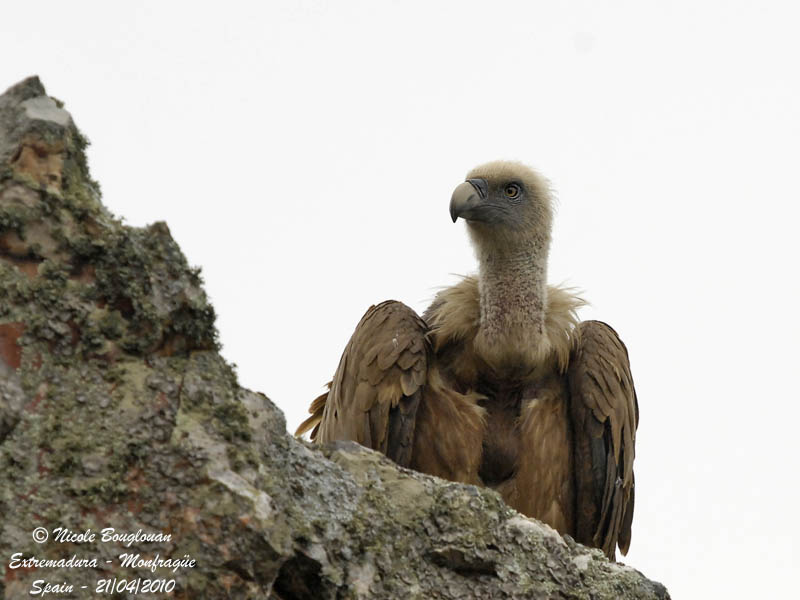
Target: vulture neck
column 513, row 296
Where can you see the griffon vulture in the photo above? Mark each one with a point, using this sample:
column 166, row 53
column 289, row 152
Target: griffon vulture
column 498, row 383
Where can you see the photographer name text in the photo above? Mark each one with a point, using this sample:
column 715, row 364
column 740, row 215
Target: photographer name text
column 108, row 534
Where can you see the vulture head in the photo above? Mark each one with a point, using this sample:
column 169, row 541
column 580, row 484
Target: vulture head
column 507, row 207
column 509, row 214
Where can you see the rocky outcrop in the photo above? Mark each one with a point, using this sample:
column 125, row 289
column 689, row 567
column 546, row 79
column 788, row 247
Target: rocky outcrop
column 131, row 461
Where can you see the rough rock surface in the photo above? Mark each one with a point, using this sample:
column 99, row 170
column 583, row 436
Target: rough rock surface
column 116, row 411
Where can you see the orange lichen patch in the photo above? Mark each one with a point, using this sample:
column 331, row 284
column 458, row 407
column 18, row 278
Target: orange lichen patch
column 102, row 514
column 41, row 468
column 27, row 266
column 246, row 520
column 136, row 480
column 135, row 506
column 17, row 589
column 10, row 351
column 22, row 497
column 12, row 245
column 161, row 402
column 33, row 405
column 191, row 515
column 41, row 161
column 229, row 581
column 205, row 527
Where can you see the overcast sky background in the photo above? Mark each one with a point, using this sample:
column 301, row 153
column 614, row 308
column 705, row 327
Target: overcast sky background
column 304, row 153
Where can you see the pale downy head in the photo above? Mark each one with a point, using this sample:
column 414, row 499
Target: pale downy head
column 508, row 208
column 509, row 213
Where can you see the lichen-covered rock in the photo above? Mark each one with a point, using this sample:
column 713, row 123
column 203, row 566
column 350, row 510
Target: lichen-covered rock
column 116, row 411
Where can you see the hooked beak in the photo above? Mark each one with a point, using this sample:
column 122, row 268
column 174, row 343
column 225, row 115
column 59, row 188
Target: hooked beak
column 467, row 199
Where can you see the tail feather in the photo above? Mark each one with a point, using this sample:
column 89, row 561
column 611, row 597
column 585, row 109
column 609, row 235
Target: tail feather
column 312, row 423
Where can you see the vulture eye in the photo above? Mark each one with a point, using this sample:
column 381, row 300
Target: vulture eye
column 511, row 191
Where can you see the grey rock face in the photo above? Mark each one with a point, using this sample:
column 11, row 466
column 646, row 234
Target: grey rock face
column 116, row 411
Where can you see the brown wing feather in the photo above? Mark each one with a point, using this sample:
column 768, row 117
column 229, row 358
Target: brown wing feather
column 376, row 390
column 605, row 415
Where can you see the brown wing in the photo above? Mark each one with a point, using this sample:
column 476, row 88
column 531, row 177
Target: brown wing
column 376, row 390
column 605, row 415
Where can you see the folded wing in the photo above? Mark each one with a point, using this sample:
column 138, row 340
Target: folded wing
column 605, row 415
column 374, row 395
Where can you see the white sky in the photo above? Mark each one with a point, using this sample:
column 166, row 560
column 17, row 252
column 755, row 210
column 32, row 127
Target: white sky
column 303, row 153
